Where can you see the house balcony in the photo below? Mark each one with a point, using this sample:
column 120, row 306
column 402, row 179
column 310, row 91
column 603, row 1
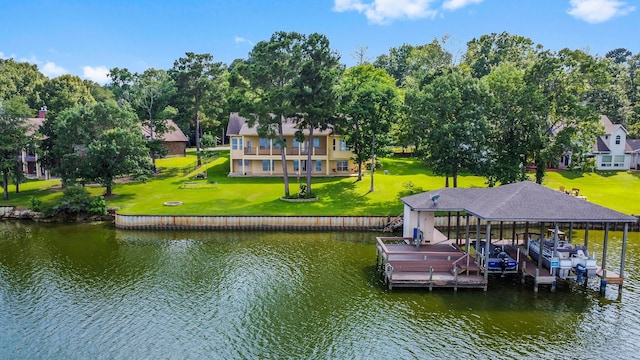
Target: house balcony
column 258, row 152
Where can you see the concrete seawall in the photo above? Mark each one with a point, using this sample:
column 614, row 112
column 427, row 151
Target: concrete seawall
column 251, row 222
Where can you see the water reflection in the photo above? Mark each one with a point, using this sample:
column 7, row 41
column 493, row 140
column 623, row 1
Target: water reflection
column 89, row 291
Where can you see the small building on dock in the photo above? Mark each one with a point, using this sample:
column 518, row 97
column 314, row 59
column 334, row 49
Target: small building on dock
column 528, row 203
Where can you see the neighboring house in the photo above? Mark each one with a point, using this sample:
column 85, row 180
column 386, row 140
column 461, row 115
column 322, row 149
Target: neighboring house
column 174, row 139
column 252, row 155
column 29, row 157
column 634, row 146
column 612, row 150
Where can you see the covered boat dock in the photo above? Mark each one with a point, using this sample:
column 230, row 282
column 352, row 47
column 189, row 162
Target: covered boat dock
column 526, row 203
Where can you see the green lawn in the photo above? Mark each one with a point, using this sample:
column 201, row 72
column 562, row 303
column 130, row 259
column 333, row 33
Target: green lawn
column 221, row 195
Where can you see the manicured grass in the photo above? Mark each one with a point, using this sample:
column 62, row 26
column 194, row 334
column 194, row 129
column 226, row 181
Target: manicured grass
column 221, row 195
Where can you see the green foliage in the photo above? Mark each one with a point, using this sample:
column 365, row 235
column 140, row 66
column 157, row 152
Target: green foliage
column 370, row 102
column 410, row 189
column 200, row 84
column 452, row 112
column 98, row 143
column 76, row 201
column 271, row 71
column 13, row 138
column 35, row 204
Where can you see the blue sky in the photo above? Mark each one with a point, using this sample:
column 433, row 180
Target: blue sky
column 88, row 37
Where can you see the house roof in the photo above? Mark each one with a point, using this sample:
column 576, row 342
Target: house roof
column 238, row 126
column 633, row 145
column 34, row 124
column 601, row 145
column 523, row 201
column 609, row 127
column 173, row 134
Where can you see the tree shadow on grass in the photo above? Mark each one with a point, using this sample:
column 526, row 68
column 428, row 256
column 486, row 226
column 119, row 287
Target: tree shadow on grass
column 570, row 175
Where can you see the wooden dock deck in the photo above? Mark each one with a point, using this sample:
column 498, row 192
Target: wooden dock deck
column 428, row 266
column 446, row 265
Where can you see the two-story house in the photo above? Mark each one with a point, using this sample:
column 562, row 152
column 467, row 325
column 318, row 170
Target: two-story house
column 612, row 150
column 253, row 155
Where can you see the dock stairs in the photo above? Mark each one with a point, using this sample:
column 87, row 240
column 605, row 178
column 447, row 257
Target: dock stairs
column 394, row 224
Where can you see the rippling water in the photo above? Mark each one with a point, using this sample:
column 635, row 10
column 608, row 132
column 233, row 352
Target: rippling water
column 92, row 292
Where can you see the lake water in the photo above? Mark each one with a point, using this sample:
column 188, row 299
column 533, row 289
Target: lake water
column 92, row 292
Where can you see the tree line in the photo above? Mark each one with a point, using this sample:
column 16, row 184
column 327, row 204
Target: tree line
column 508, row 103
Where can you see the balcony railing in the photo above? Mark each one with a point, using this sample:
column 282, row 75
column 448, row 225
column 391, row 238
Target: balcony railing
column 293, row 151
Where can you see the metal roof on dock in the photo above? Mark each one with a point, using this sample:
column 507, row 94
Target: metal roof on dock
column 523, row 201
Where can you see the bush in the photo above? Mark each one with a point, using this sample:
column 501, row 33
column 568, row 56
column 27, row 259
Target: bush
column 76, row 201
column 35, row 204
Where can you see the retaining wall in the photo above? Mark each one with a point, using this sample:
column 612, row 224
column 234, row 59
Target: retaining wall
column 251, row 222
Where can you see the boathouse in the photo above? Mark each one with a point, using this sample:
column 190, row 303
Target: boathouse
column 412, row 260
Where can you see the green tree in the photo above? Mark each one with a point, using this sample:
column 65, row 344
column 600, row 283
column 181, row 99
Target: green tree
column 517, row 130
column 314, row 91
column 414, row 62
column 490, row 50
column 121, row 82
column 197, row 77
column 562, row 81
column 13, row 138
column 238, row 91
column 21, row 79
column 150, row 95
column 369, row 103
column 64, row 92
column 454, row 111
column 117, row 152
column 273, row 67
column 76, row 129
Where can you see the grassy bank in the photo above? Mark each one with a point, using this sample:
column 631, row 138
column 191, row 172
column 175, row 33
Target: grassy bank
column 221, row 195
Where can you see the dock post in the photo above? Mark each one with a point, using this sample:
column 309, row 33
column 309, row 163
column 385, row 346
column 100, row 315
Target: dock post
column 523, row 272
column 535, row 281
column 455, row 280
column 623, row 256
column 430, row 278
column 553, row 285
column 603, row 281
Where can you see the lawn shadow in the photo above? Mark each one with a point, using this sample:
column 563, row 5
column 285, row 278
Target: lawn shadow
column 570, row 175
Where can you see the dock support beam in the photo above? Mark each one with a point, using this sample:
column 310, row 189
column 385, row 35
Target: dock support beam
column 486, row 252
column 623, row 256
column 603, row 280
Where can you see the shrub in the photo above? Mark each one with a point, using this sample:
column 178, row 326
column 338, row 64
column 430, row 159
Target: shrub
column 35, row 204
column 76, row 201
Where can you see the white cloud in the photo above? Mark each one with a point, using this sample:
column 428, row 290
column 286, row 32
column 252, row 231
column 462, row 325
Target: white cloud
column 597, row 11
column 51, row 70
column 240, row 39
column 458, row 4
column 383, row 11
column 98, row 74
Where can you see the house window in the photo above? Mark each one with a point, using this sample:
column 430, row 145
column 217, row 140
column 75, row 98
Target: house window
column 265, row 144
column 304, row 165
column 318, row 165
column 618, row 161
column 236, row 144
column 606, row 160
column 296, row 144
column 316, row 143
column 296, row 165
column 266, row 165
column 343, row 145
column 617, row 139
column 342, row 165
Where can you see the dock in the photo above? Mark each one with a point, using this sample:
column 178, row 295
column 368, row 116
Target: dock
column 442, row 265
column 446, row 265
